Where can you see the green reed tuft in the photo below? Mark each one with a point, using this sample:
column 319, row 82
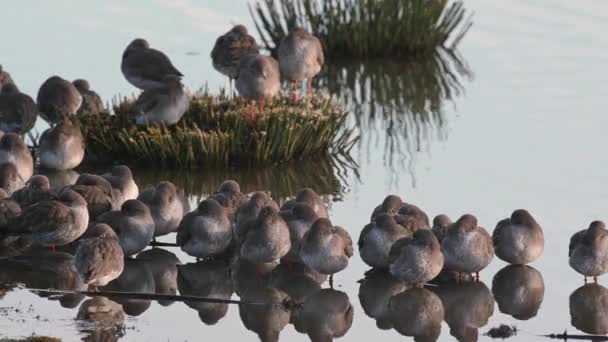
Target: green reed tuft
column 217, row 131
column 366, row 28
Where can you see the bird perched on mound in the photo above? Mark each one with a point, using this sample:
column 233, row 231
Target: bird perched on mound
column 257, row 79
column 91, row 101
column 164, row 104
column 146, row 68
column 230, row 47
column 300, row 57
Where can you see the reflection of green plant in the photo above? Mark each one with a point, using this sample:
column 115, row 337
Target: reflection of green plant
column 216, row 131
column 325, row 175
column 365, row 28
column 402, row 102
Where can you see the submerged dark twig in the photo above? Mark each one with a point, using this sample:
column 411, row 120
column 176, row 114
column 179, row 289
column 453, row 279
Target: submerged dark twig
column 162, row 244
column 151, row 296
column 565, row 336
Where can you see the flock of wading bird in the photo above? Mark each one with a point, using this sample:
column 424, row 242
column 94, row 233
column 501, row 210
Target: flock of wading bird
column 163, row 99
column 108, row 218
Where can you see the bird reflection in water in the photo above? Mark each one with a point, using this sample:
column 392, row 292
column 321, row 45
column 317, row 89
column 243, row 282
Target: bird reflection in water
column 417, row 312
column 136, row 277
column 519, row 291
column 375, row 293
column 209, row 279
column 468, row 307
column 589, row 309
column 101, row 319
column 399, row 104
column 45, row 270
column 163, row 265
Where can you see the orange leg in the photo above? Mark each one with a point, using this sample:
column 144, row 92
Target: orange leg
column 295, row 91
column 252, row 113
column 477, row 276
column 309, row 90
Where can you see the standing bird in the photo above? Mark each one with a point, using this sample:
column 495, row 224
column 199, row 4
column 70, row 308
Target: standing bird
column 416, row 260
column 97, row 192
column 229, row 48
column 123, row 185
column 99, row 258
column 165, row 205
column 163, row 104
column 52, row 223
column 377, row 238
column 300, row 57
column 299, row 219
column 250, row 210
column 257, row 79
column 9, row 210
column 37, row 189
column 5, row 78
column 229, row 195
column 57, row 98
column 61, row 147
column 14, row 150
column 466, row 247
column 588, row 251
column 133, row 224
column 309, row 197
column 267, row 239
column 18, row 111
column 91, row 101
column 146, row 68
column 326, row 248
column 518, row 240
column 440, row 226
column 10, row 179
column 205, row 232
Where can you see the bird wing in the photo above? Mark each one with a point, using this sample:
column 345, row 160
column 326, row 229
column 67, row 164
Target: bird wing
column 498, row 231
column 41, row 217
column 319, row 49
column 152, row 64
column 575, row 240
column 150, row 98
column 97, row 257
column 368, row 228
column 346, row 240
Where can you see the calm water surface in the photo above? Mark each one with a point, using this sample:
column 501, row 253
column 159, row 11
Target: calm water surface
column 520, row 124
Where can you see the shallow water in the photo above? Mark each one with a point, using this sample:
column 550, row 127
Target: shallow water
column 525, row 129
